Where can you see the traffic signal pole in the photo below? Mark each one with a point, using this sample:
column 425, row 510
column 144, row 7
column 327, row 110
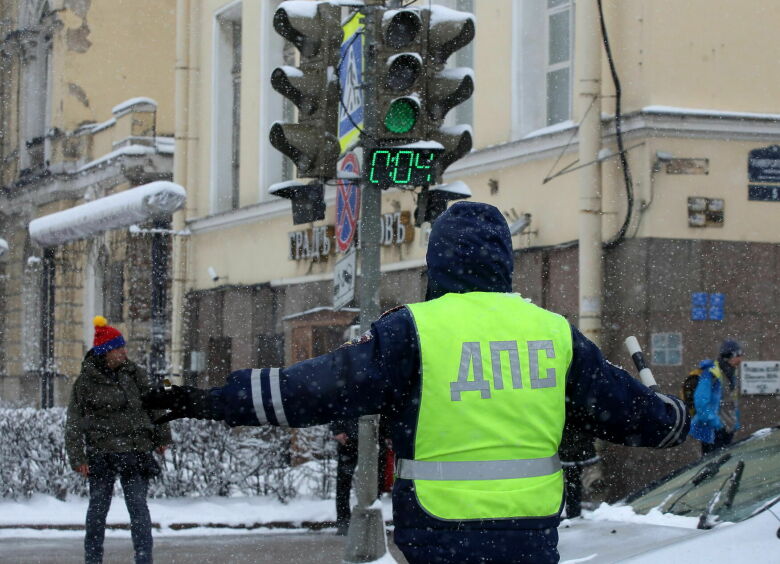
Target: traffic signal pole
column 406, row 94
column 366, row 539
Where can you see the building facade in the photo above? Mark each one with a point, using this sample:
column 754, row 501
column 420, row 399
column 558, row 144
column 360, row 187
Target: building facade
column 86, row 111
column 688, row 217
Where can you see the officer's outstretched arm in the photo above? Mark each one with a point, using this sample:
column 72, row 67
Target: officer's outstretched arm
column 607, row 402
column 343, row 384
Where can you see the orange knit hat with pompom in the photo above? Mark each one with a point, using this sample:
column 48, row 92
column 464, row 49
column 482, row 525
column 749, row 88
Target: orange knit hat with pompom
column 106, row 337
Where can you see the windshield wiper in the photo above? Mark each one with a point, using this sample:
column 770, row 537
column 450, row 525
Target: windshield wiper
column 705, row 473
column 732, row 482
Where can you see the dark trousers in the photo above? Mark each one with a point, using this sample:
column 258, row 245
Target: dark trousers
column 722, row 438
column 103, row 472
column 469, row 546
column 347, row 458
column 345, row 469
column 573, row 484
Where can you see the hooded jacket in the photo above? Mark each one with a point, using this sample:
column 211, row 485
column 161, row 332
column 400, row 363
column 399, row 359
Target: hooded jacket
column 105, row 412
column 469, row 250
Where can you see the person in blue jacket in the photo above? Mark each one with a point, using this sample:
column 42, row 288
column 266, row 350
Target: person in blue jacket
column 393, row 369
column 716, row 399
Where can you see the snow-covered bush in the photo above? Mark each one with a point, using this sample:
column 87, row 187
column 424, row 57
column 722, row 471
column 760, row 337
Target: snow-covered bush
column 32, row 454
column 207, row 458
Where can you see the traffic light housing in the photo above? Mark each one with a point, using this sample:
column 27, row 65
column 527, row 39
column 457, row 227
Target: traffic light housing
column 312, row 143
column 415, row 91
column 433, row 201
column 308, row 199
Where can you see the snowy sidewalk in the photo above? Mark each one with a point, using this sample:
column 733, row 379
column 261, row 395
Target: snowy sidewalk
column 47, row 515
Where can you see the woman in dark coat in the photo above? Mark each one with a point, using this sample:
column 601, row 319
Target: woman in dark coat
column 108, row 434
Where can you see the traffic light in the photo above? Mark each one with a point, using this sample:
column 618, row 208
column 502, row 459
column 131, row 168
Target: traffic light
column 312, row 143
column 414, row 89
column 308, row 200
column 433, row 201
column 401, row 80
column 447, row 32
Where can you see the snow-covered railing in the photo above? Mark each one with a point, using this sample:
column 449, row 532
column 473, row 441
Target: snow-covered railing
column 136, row 205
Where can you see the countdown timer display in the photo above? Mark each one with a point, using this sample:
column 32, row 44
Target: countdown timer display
column 401, row 166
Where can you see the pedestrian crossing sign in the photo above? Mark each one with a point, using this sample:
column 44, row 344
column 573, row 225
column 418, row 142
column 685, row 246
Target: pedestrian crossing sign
column 351, row 108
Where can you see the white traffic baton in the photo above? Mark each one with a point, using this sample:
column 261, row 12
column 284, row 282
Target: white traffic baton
column 645, row 374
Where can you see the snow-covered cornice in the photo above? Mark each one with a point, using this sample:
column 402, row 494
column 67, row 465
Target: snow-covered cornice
column 650, row 121
column 134, row 164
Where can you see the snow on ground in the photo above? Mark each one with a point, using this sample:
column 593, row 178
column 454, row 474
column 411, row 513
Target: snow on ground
column 43, row 510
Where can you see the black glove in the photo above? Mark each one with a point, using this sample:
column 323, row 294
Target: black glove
column 183, row 401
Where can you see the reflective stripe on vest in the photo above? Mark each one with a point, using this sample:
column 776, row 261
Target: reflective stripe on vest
column 477, row 470
column 492, row 407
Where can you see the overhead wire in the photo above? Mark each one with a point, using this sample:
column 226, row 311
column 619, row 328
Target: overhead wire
column 549, row 176
column 618, row 238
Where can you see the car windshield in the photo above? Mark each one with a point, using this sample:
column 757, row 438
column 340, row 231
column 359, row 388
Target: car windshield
column 691, row 491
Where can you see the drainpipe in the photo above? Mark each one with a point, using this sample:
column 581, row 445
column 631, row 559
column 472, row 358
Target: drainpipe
column 588, row 103
column 47, row 330
column 180, row 254
column 160, row 266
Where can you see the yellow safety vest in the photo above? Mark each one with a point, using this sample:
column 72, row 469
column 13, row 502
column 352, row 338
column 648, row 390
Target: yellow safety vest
column 492, row 407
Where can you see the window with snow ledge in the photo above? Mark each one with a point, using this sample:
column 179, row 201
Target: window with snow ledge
column 543, row 39
column 36, row 93
column 560, row 25
column 226, row 115
column 666, row 349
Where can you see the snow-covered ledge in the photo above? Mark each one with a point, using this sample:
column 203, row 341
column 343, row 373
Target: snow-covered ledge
column 136, row 205
column 139, row 104
column 650, row 121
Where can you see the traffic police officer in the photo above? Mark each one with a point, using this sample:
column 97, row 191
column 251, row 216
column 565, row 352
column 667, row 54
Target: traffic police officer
column 477, row 383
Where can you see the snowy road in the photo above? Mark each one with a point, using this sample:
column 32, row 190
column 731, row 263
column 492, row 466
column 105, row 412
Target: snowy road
column 290, row 548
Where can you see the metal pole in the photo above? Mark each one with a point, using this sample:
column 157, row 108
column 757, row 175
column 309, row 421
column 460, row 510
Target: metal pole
column 160, row 254
column 588, row 59
column 366, row 541
column 47, row 334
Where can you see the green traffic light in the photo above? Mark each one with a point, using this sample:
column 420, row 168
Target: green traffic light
column 401, row 115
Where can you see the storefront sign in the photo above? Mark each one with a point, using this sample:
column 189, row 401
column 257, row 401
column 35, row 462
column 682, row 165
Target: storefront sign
column 311, row 243
column 395, row 229
column 760, row 377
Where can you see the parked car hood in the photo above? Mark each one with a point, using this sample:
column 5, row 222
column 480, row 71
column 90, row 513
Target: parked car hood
column 602, row 542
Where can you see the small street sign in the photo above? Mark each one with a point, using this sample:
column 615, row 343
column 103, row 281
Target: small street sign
column 764, row 164
column 351, row 110
column 347, row 200
column 758, row 193
column 760, row 377
column 344, row 274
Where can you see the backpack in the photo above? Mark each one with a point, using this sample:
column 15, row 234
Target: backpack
column 688, row 388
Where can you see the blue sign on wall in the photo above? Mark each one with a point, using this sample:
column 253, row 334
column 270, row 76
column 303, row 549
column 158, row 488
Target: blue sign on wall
column 699, row 306
column 706, row 306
